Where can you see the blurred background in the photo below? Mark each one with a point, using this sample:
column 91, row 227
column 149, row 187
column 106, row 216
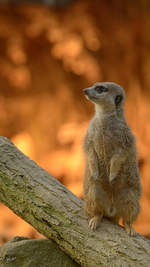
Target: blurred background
column 51, row 50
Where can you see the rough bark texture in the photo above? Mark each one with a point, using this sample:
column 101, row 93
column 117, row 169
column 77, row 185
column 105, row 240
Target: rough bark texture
column 22, row 252
column 58, row 214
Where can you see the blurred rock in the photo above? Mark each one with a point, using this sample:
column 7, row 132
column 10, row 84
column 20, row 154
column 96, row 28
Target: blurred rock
column 22, row 252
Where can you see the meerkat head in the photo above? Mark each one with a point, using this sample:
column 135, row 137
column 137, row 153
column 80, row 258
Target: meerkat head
column 108, row 97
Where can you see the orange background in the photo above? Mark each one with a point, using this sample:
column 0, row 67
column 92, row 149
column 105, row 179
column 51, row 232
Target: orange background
column 47, row 56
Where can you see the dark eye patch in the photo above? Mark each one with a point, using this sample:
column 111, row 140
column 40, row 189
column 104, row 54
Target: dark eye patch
column 100, row 89
column 118, row 99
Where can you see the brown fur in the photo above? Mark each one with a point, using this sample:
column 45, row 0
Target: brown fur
column 111, row 185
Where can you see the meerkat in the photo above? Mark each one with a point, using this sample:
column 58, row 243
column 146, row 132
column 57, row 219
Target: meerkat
column 112, row 183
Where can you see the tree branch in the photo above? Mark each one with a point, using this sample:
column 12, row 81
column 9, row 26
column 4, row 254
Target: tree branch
column 58, row 214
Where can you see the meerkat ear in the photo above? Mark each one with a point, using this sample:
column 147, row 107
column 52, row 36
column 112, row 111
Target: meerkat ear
column 118, row 99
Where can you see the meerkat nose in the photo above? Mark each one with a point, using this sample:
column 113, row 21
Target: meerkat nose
column 85, row 91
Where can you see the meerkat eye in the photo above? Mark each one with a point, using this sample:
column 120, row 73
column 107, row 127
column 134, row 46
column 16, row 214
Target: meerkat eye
column 118, row 99
column 100, row 89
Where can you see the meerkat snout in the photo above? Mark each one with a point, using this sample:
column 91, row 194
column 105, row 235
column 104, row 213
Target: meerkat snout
column 85, row 91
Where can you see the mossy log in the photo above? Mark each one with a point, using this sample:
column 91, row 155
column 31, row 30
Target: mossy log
column 58, row 214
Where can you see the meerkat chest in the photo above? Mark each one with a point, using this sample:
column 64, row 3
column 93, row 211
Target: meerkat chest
column 107, row 133
column 107, row 137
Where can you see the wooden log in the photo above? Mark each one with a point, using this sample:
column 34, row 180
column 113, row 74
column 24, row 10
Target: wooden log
column 58, row 214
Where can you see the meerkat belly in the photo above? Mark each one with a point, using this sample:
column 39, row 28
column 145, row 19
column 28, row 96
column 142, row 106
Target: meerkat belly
column 105, row 147
column 106, row 199
column 106, row 141
column 112, row 199
column 110, row 209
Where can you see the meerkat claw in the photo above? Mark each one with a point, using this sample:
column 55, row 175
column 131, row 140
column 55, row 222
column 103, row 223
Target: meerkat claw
column 130, row 231
column 94, row 222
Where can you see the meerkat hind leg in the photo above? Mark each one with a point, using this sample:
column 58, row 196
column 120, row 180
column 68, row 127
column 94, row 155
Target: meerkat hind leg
column 95, row 222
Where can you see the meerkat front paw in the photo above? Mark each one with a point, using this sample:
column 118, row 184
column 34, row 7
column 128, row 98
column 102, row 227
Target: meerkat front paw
column 94, row 222
column 112, row 177
column 95, row 175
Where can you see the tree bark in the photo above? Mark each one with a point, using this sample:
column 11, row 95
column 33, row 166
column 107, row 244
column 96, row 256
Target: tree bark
column 58, row 214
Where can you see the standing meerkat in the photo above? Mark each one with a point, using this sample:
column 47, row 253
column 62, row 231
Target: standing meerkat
column 111, row 184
